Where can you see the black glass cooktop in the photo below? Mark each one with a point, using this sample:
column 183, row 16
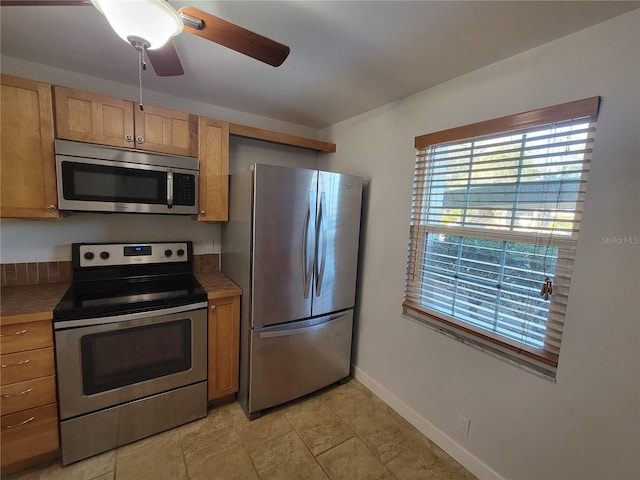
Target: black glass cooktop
column 130, row 295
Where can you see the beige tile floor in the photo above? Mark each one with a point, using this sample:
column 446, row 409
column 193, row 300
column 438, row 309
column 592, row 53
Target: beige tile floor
column 340, row 433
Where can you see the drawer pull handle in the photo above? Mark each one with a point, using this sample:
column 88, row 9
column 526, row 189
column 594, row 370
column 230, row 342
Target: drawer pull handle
column 11, row 395
column 23, row 362
column 20, row 332
column 28, row 420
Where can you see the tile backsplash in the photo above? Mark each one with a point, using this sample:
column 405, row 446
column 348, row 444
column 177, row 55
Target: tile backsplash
column 34, row 273
column 208, row 262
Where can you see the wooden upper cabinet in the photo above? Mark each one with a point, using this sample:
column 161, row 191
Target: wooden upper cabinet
column 94, row 118
column 27, row 161
column 213, row 156
column 162, row 130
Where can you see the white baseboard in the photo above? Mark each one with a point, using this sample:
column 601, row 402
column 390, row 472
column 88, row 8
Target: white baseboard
column 445, row 442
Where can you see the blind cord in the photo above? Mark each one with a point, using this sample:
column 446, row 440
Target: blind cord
column 547, row 286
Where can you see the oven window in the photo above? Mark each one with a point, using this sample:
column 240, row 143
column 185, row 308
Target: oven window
column 102, row 183
column 119, row 358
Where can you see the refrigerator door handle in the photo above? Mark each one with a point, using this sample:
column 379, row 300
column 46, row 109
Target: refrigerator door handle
column 307, row 268
column 321, row 229
column 296, row 331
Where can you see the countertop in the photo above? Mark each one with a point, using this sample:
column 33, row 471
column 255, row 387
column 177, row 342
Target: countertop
column 217, row 285
column 30, row 303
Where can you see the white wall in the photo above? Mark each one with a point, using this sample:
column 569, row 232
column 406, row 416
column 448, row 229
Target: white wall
column 50, row 240
column 587, row 424
column 244, row 152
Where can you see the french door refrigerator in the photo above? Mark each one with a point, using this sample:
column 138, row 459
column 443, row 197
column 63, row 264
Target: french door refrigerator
column 291, row 244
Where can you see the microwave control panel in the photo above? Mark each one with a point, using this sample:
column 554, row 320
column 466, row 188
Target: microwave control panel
column 184, row 189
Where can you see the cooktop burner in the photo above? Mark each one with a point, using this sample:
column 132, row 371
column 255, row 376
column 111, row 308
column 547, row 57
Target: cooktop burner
column 118, row 279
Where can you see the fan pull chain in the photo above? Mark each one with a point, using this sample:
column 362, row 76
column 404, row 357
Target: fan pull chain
column 142, row 65
column 547, row 288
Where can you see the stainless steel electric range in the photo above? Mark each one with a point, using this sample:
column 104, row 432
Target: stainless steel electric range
column 131, row 345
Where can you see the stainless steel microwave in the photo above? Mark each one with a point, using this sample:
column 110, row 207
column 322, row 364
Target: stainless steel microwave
column 95, row 178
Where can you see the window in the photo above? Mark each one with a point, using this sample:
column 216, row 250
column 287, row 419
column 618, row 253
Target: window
column 494, row 225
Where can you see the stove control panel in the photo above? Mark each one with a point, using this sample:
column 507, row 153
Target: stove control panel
column 113, row 254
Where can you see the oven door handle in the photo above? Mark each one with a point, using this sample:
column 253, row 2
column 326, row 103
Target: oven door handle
column 87, row 322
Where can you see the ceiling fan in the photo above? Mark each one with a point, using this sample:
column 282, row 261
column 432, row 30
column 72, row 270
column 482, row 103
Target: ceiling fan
column 139, row 22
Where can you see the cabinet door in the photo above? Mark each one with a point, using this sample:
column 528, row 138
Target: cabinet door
column 27, row 161
column 93, row 118
column 166, row 131
column 224, row 344
column 213, row 154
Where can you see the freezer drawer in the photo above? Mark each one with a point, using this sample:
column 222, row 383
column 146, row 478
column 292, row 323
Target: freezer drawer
column 291, row 360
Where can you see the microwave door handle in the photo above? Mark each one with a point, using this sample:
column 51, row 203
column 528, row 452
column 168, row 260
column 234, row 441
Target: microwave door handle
column 170, row 188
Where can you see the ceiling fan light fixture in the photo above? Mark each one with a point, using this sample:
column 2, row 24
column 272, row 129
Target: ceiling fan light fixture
column 154, row 21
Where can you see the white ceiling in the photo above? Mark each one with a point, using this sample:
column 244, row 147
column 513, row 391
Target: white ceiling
column 347, row 57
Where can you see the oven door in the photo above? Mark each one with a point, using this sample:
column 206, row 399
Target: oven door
column 113, row 186
column 112, row 360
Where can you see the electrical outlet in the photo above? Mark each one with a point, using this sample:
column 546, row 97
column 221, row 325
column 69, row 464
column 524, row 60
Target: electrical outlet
column 462, row 425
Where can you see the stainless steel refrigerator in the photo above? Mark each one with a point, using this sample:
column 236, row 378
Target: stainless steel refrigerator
column 291, row 243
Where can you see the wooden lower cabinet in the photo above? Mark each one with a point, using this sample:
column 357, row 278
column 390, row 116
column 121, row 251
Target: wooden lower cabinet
column 29, row 421
column 224, row 346
column 29, row 434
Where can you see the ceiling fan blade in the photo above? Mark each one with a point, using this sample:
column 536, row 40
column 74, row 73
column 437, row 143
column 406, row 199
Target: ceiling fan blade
column 45, row 3
column 165, row 61
column 234, row 37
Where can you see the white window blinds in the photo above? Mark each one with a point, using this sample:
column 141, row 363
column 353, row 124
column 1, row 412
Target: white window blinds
column 495, row 219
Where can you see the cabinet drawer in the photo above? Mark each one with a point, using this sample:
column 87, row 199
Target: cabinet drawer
column 24, row 395
column 21, row 366
column 26, row 336
column 28, row 434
